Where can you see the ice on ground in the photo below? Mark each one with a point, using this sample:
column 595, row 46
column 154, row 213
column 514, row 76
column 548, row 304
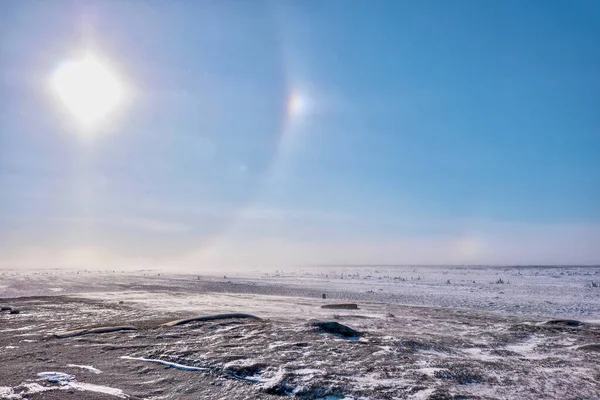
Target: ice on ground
column 57, row 377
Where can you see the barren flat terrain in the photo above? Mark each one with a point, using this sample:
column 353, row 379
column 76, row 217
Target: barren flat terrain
column 416, row 333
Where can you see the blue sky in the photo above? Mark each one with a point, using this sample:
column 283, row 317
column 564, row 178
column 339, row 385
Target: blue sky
column 292, row 132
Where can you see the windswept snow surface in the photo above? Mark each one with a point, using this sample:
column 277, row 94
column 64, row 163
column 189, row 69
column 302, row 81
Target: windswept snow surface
column 428, row 333
column 565, row 292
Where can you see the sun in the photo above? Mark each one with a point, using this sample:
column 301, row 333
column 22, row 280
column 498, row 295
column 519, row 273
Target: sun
column 88, row 89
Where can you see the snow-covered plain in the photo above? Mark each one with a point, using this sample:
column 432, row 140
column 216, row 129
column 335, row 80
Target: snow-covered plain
column 428, row 333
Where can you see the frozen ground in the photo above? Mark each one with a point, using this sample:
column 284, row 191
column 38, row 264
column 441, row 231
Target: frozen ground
column 565, row 292
column 428, row 333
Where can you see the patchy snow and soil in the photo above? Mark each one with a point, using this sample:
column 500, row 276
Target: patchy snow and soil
column 420, row 336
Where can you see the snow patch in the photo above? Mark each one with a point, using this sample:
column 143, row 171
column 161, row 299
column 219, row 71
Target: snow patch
column 8, row 393
column 67, row 381
column 423, row 394
column 526, row 347
column 86, row 367
column 167, row 363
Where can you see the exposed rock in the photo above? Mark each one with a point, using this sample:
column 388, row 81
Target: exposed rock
column 349, row 306
column 571, row 323
column 5, row 308
column 279, row 389
column 319, row 393
column 337, row 329
column 14, row 311
column 88, row 331
column 209, row 318
column 246, row 370
column 590, row 347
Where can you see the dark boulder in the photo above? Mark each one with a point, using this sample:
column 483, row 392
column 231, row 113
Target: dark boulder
column 336, row 329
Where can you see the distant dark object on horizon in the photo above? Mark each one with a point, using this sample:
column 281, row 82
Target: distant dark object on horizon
column 348, row 306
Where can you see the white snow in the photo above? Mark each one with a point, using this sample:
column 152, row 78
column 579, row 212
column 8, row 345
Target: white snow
column 98, row 389
column 422, row 394
column 525, row 348
column 61, row 381
column 8, row 393
column 67, row 381
column 86, row 367
column 524, row 291
column 167, row 363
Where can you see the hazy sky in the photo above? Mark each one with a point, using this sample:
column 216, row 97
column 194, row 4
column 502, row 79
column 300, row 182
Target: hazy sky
column 290, row 132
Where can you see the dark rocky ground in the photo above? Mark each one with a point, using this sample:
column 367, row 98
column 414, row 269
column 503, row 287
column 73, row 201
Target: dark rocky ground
column 403, row 353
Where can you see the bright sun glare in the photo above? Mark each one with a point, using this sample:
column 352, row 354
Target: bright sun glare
column 88, row 89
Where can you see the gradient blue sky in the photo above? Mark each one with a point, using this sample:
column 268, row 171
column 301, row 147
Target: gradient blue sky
column 292, row 132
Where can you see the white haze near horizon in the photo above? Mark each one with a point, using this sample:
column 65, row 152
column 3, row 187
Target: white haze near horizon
column 235, row 249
